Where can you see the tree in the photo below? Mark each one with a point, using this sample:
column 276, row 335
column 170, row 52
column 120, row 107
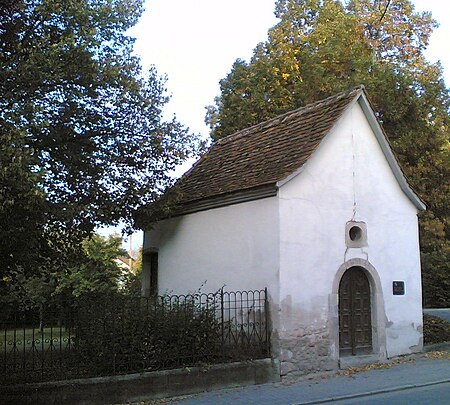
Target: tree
column 319, row 48
column 70, row 83
column 81, row 125
column 132, row 285
column 94, row 272
column 97, row 272
column 22, row 207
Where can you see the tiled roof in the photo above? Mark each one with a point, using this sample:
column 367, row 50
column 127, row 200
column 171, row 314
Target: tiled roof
column 265, row 153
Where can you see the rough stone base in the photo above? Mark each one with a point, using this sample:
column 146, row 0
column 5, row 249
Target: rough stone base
column 359, row 361
column 305, row 351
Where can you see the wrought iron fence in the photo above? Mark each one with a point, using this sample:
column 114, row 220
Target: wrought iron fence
column 119, row 335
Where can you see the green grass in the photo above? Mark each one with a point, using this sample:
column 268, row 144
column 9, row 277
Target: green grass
column 24, row 338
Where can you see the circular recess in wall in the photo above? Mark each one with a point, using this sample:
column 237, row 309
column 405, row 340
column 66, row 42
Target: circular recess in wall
column 355, row 233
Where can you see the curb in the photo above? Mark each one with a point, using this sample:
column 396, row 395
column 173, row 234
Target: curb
column 369, row 393
column 151, row 385
column 444, row 346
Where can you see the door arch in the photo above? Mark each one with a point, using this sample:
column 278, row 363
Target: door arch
column 355, row 318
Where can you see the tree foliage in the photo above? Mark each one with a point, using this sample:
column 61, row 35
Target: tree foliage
column 97, row 273
column 132, row 284
column 71, row 85
column 321, row 47
column 82, row 138
column 22, row 203
column 87, row 269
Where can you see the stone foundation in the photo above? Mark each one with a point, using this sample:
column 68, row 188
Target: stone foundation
column 305, row 351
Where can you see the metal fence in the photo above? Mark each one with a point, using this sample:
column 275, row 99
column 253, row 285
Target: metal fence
column 118, row 335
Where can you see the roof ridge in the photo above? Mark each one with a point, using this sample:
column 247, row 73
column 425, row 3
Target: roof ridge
column 293, row 113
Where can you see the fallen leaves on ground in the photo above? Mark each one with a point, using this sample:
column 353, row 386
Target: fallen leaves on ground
column 375, row 366
column 438, row 355
column 158, row 401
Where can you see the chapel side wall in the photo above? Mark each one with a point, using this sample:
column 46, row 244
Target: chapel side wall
column 235, row 247
column 346, row 178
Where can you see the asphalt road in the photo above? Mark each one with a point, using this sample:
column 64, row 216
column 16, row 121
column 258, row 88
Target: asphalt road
column 417, row 380
column 441, row 312
column 438, row 394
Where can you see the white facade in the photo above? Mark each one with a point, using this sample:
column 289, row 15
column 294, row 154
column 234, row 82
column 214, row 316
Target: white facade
column 216, row 248
column 295, row 245
column 348, row 179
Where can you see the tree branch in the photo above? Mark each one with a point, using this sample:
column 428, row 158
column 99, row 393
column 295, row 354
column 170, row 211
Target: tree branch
column 385, row 9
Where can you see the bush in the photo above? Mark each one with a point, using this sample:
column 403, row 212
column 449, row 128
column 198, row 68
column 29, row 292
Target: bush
column 435, row 330
column 141, row 334
column 97, row 335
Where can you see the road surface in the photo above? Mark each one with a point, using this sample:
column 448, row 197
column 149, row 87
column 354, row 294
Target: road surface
column 443, row 313
column 419, row 379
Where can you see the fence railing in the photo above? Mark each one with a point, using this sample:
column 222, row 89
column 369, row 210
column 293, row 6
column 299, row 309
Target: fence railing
column 119, row 335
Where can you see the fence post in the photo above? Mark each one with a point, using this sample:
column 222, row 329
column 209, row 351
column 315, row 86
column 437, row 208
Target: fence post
column 266, row 316
column 5, row 341
column 222, row 323
column 113, row 338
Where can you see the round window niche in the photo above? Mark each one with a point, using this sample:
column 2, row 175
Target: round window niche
column 355, row 233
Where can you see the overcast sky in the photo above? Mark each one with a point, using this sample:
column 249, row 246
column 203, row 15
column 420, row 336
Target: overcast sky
column 195, row 42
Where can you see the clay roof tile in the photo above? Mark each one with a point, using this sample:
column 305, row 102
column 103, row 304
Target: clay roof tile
column 264, row 153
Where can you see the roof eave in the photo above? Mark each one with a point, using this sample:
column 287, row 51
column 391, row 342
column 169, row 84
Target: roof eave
column 226, row 199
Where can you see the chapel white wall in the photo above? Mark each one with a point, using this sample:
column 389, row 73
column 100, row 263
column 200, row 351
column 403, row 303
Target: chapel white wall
column 235, row 247
column 347, row 178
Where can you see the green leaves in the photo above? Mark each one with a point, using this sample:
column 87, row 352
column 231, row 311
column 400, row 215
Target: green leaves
column 70, row 83
column 95, row 271
column 22, row 204
column 82, row 135
column 320, row 48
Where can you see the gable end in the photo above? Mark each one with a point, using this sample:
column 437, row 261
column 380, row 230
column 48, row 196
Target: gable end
column 385, row 146
column 387, row 151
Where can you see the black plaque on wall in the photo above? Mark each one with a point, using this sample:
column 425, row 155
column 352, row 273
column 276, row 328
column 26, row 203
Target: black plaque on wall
column 398, row 287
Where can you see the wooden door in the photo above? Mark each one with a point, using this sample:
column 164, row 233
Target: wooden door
column 355, row 324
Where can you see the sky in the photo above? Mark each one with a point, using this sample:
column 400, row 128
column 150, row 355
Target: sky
column 195, row 42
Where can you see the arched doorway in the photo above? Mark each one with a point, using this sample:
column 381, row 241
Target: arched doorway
column 355, row 319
